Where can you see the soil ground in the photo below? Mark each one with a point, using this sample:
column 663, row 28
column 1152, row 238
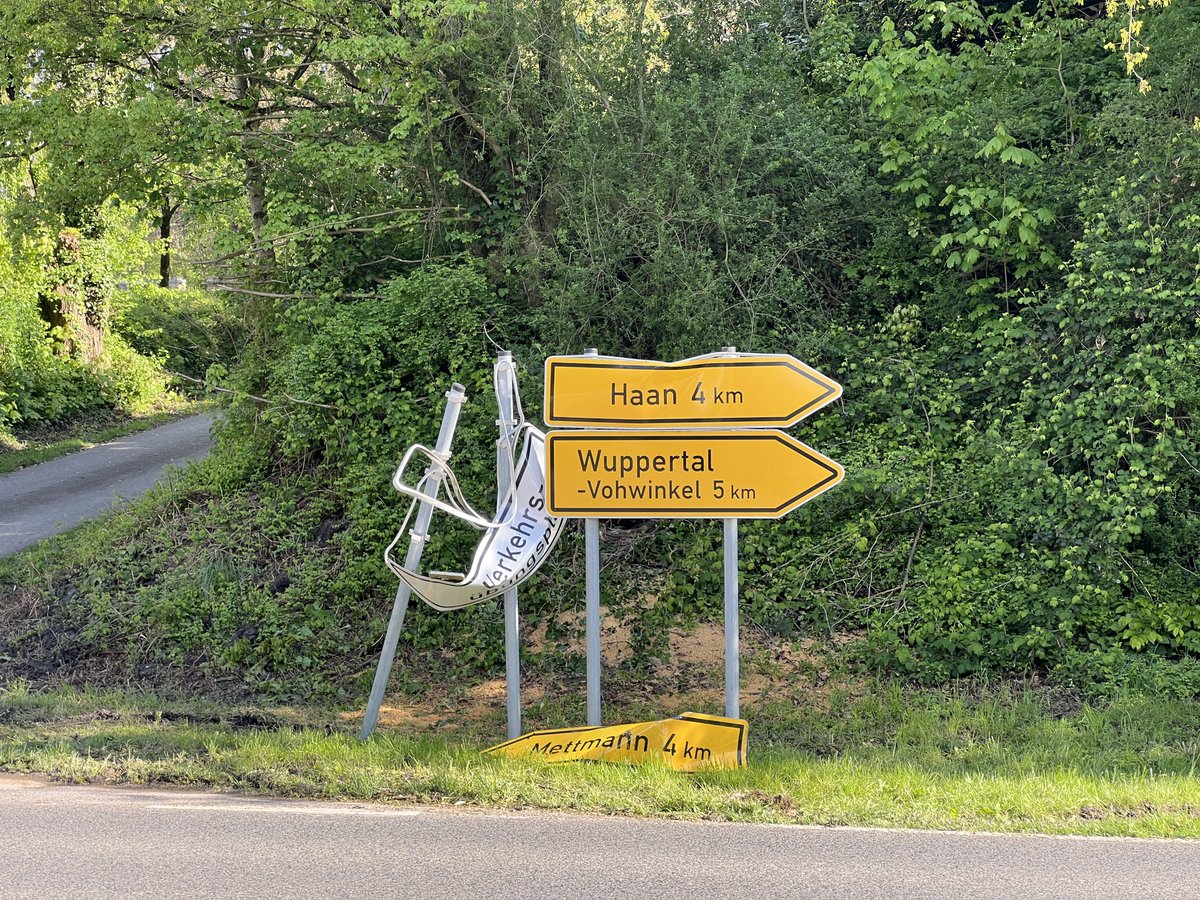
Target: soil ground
column 689, row 678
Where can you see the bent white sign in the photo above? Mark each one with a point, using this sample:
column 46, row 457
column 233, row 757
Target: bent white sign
column 512, row 549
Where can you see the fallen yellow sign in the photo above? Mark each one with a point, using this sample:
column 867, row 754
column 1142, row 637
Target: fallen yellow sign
column 692, row 741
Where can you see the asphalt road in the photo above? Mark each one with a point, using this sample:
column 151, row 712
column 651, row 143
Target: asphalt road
column 54, row 496
column 64, row 841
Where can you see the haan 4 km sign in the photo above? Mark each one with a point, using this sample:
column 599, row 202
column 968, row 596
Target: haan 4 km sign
column 767, row 391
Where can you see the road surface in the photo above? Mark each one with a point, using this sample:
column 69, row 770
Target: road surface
column 65, row 841
column 54, row 496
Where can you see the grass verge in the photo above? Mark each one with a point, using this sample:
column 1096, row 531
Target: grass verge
column 895, row 757
column 50, row 443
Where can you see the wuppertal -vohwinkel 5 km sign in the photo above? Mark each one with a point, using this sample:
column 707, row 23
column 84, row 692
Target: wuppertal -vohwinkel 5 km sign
column 746, row 470
column 677, row 474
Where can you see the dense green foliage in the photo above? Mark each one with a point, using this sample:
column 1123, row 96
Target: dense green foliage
column 966, row 212
column 187, row 330
column 39, row 380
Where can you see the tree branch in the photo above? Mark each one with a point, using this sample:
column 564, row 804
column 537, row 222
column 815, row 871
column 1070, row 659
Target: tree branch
column 254, row 397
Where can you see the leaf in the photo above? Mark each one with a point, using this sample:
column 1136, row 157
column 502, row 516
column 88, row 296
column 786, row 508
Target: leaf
column 1020, row 156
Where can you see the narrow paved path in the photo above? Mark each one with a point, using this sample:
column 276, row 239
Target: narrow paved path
column 53, row 496
column 63, row 841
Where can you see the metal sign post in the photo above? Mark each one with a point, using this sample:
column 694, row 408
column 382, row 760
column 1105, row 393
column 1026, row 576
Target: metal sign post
column 505, row 451
column 591, row 538
column 591, row 544
column 732, row 668
column 733, row 677
column 455, row 398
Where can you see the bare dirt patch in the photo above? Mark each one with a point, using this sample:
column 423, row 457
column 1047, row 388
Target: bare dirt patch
column 690, row 677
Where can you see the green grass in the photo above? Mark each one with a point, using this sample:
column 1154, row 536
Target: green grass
column 72, row 437
column 895, row 757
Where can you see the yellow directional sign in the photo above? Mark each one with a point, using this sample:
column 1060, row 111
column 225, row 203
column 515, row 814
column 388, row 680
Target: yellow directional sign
column 693, row 741
column 748, row 391
column 682, row 474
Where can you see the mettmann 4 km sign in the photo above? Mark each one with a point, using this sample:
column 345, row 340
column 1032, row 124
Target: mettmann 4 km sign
column 686, row 467
column 691, row 742
column 700, row 474
column 768, row 391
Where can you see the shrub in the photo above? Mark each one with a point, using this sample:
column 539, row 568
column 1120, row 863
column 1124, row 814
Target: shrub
column 188, row 330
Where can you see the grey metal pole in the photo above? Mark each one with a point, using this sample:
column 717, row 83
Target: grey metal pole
column 505, row 452
column 591, row 544
column 732, row 668
column 591, row 539
column 455, row 398
column 733, row 681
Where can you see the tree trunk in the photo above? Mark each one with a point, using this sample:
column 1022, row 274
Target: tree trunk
column 540, row 213
column 249, row 92
column 71, row 306
column 256, row 197
column 164, row 234
column 552, row 81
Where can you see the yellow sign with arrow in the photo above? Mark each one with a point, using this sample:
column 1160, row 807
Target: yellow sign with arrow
column 682, row 474
column 691, row 742
column 748, row 391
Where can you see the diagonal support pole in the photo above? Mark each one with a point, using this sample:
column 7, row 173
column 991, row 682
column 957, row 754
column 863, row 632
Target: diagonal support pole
column 455, row 398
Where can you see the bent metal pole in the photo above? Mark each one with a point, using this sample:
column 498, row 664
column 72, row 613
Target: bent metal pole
column 505, row 455
column 455, row 398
